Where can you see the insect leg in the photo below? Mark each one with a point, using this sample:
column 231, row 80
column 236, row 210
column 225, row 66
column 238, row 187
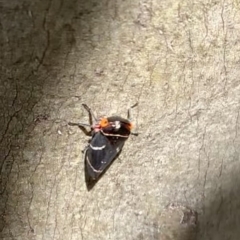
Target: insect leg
column 82, row 126
column 129, row 117
column 90, row 112
column 129, row 111
column 79, row 124
column 134, row 134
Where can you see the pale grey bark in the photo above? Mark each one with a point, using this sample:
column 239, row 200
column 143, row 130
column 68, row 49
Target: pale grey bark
column 178, row 59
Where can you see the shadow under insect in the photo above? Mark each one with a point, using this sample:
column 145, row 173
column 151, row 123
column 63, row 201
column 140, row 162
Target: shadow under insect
column 108, row 137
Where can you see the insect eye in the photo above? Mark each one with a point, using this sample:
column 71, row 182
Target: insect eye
column 103, row 122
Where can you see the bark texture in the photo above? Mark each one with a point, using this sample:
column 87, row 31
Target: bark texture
column 178, row 59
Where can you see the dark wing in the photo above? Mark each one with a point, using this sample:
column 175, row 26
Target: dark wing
column 101, row 152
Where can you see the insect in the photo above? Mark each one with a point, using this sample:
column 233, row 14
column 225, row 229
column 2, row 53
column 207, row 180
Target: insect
column 108, row 137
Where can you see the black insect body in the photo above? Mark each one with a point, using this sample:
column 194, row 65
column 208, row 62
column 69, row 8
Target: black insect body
column 108, row 137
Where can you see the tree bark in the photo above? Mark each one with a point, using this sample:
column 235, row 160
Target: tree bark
column 178, row 59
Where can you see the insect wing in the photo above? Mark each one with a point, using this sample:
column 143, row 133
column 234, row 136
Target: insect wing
column 101, row 152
